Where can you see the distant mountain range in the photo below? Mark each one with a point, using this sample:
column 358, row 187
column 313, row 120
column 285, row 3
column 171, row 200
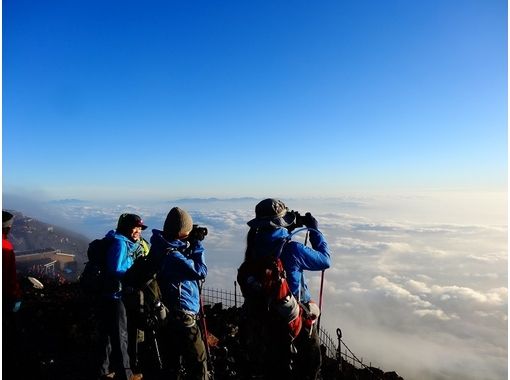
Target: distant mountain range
column 212, row 199
column 29, row 234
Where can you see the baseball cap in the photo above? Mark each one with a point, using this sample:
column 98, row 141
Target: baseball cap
column 130, row 221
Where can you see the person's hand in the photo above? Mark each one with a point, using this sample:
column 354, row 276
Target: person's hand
column 16, row 307
column 311, row 222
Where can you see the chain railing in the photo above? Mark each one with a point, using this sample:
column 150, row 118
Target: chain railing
column 339, row 351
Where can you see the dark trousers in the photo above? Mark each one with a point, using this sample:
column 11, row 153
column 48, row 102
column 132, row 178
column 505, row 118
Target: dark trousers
column 113, row 330
column 183, row 342
column 269, row 352
column 266, row 348
column 307, row 360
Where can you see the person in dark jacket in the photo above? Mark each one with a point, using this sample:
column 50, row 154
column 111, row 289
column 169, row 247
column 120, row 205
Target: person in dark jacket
column 124, row 248
column 271, row 348
column 11, row 298
column 183, row 268
column 11, row 293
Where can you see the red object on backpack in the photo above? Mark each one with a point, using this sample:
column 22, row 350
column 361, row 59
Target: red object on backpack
column 264, row 280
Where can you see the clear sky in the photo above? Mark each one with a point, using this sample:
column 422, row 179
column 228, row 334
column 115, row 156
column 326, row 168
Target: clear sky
column 239, row 98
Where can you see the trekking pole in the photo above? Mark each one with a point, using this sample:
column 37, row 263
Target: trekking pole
column 320, row 301
column 203, row 330
column 320, row 291
column 156, row 349
column 321, row 288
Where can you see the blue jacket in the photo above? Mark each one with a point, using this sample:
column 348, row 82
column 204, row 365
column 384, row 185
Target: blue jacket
column 181, row 271
column 119, row 259
column 296, row 257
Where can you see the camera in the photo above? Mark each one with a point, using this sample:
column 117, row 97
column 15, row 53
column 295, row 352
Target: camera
column 160, row 311
column 197, row 233
column 153, row 317
column 301, row 220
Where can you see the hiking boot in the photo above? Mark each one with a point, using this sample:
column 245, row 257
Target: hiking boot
column 136, row 376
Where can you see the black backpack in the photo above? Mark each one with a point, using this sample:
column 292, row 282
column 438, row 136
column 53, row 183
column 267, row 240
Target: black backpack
column 144, row 294
column 93, row 279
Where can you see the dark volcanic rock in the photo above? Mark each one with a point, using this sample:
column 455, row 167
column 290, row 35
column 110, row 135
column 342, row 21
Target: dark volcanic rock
column 54, row 337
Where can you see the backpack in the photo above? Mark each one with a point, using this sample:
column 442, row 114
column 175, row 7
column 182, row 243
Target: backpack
column 93, row 278
column 264, row 281
column 145, row 297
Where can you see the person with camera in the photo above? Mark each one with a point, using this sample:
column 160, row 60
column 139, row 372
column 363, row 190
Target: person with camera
column 270, row 346
column 114, row 325
column 183, row 268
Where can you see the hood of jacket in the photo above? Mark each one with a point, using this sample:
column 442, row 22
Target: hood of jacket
column 159, row 243
column 268, row 241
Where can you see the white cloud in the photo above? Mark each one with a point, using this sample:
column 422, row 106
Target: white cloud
column 418, row 286
column 435, row 313
column 393, row 290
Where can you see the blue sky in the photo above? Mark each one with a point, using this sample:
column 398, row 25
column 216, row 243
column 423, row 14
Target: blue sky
column 229, row 98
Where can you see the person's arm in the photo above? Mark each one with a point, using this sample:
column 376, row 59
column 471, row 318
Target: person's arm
column 116, row 258
column 189, row 266
column 318, row 256
column 313, row 259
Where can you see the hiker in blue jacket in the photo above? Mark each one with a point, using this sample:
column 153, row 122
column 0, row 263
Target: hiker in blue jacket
column 183, row 268
column 268, row 230
column 123, row 250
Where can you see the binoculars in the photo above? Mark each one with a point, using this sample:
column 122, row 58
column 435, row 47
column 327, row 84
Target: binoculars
column 301, row 220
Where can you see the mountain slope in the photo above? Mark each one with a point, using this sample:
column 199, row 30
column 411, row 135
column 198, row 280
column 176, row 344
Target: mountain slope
column 29, row 234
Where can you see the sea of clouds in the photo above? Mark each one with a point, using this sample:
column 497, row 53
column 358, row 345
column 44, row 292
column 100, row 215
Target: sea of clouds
column 418, row 283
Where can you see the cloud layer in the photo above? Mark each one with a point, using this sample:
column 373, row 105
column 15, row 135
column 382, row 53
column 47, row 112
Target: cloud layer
column 428, row 300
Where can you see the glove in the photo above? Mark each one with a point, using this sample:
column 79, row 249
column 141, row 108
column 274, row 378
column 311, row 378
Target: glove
column 16, row 307
column 311, row 222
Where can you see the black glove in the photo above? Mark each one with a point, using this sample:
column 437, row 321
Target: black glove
column 311, row 222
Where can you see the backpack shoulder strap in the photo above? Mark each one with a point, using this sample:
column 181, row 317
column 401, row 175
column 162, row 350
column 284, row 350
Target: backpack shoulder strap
column 283, row 243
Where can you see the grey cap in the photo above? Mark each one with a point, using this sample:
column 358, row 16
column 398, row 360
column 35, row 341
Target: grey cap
column 177, row 222
column 272, row 213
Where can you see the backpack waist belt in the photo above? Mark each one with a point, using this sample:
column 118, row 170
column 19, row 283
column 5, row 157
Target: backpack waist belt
column 187, row 318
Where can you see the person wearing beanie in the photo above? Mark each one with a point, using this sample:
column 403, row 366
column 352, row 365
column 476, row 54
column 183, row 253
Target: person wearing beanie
column 182, row 271
column 267, row 342
column 114, row 324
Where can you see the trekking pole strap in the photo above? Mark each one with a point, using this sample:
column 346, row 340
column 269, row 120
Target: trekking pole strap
column 204, row 332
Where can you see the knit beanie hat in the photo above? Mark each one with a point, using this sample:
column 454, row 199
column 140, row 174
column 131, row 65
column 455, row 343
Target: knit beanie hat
column 178, row 223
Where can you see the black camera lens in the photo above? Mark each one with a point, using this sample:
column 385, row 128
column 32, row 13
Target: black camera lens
column 198, row 232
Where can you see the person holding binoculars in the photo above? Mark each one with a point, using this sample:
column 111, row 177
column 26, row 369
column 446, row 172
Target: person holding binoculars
column 182, row 269
column 270, row 350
